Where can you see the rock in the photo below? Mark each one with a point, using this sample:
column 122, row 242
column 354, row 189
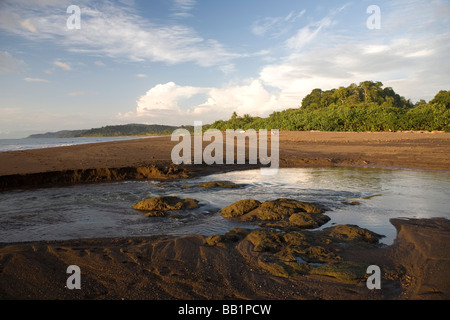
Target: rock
column 157, row 206
column 308, row 220
column 232, row 236
column 265, row 240
column 240, row 208
column 219, row 184
column 349, row 232
column 277, row 213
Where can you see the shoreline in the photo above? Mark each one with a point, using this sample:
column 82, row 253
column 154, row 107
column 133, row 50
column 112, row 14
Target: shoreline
column 150, row 158
column 415, row 266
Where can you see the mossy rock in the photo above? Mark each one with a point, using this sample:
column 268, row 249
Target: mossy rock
column 240, row 208
column 233, row 235
column 213, row 240
column 265, row 240
column 296, row 206
column 349, row 232
column 156, row 213
column 157, row 206
column 295, row 238
column 308, row 220
column 277, row 212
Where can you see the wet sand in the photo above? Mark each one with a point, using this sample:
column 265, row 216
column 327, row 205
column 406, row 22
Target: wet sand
column 416, row 150
column 416, row 266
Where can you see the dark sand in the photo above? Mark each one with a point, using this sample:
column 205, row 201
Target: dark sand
column 416, row 266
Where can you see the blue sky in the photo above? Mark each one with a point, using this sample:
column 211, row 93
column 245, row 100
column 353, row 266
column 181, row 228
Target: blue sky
column 179, row 61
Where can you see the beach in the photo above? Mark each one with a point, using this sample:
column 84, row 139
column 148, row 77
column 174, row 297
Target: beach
column 415, row 266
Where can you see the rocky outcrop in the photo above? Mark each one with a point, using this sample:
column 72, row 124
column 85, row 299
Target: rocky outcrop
column 281, row 212
column 158, row 206
column 240, row 208
column 294, row 251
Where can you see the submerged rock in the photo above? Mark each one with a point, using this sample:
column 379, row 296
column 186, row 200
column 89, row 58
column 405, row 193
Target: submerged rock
column 157, row 206
column 219, row 184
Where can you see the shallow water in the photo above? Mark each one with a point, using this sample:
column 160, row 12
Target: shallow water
column 104, row 210
column 41, row 143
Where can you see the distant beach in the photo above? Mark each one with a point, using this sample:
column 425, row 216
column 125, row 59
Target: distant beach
column 41, row 143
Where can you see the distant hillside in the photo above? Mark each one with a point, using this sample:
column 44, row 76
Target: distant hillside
column 114, row 131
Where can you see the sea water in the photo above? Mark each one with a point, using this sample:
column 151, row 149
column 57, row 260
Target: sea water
column 365, row 197
column 40, row 143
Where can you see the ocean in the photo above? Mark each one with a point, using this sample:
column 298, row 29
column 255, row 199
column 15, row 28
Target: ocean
column 39, row 143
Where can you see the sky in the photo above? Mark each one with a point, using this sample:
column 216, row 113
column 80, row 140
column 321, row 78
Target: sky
column 179, row 61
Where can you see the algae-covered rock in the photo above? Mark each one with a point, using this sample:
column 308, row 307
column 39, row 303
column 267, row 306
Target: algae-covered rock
column 350, row 232
column 297, row 206
column 308, row 220
column 239, row 208
column 233, row 235
column 277, row 213
column 157, row 206
column 265, row 240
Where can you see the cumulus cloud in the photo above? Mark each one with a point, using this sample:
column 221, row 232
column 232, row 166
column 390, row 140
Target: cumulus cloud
column 399, row 55
column 191, row 103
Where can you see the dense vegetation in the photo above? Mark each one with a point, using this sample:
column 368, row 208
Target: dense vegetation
column 130, row 130
column 363, row 107
column 114, row 131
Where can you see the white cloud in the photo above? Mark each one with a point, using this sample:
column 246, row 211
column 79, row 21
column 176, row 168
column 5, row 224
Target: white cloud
column 181, row 8
column 414, row 63
column 141, row 75
column 164, row 102
column 9, row 64
column 35, row 80
column 115, row 31
column 27, row 25
column 99, row 63
column 307, row 34
column 62, row 65
column 275, row 26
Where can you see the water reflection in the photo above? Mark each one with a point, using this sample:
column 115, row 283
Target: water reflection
column 365, row 197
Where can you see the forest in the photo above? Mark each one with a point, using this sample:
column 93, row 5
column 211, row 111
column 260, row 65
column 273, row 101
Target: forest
column 364, row 107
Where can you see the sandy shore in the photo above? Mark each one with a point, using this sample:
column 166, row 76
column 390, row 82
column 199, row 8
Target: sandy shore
column 418, row 150
column 416, row 266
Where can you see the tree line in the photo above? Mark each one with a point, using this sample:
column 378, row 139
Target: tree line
column 364, row 107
